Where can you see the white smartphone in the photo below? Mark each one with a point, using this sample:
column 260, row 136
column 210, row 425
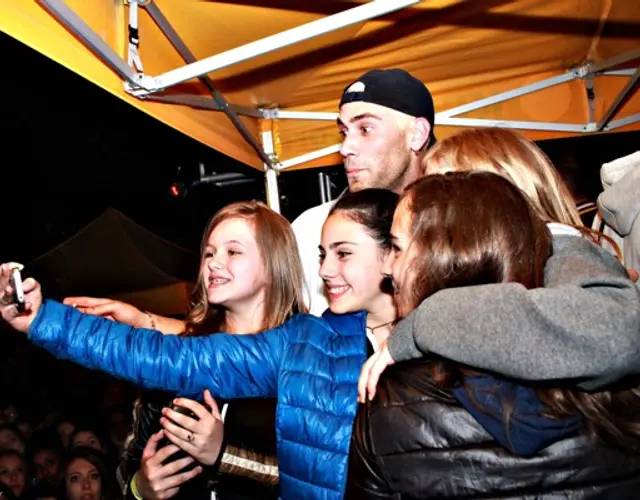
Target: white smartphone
column 16, row 284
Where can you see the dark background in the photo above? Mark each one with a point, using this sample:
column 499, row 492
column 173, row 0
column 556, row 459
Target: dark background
column 70, row 150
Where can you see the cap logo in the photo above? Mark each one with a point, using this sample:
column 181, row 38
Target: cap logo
column 356, row 87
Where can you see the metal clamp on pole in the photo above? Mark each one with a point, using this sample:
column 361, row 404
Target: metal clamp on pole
column 271, row 180
column 271, row 171
column 134, row 38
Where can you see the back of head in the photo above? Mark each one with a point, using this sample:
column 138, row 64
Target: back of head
column 279, row 255
column 472, row 228
column 515, row 158
column 373, row 208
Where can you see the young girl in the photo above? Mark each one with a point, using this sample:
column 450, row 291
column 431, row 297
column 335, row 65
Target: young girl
column 310, row 364
column 13, row 471
column 240, row 290
column 436, row 426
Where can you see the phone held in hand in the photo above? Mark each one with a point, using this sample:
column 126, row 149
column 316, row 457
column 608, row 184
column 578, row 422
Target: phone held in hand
column 16, row 284
column 164, row 442
column 184, row 411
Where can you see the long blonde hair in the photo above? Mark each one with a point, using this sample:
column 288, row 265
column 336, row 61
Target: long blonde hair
column 514, row 157
column 280, row 258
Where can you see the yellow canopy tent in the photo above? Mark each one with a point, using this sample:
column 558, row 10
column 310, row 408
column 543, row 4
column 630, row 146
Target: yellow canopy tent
column 549, row 68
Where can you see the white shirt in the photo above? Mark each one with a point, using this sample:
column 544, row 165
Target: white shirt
column 308, row 230
column 558, row 229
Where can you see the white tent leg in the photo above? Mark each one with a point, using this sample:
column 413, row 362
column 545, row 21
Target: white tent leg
column 323, row 187
column 269, row 44
column 270, row 173
column 273, row 194
column 324, row 183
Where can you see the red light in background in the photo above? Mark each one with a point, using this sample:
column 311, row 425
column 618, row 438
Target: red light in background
column 175, row 190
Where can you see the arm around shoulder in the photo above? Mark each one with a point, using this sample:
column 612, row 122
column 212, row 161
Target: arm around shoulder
column 584, row 324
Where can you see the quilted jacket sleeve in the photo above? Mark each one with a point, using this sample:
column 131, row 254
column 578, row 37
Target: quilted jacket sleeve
column 231, row 366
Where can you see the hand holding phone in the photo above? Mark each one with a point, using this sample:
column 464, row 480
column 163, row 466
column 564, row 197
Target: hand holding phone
column 16, row 284
column 164, row 441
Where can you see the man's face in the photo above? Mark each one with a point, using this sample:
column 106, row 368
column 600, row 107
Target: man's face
column 375, row 146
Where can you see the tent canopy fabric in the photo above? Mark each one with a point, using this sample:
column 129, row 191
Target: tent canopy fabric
column 115, row 257
column 464, row 50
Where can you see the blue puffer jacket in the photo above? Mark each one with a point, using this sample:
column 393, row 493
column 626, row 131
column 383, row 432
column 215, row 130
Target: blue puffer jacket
column 310, row 364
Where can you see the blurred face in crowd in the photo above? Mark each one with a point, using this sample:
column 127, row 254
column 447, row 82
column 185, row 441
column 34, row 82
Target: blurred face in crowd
column 46, row 465
column 25, row 428
column 65, row 429
column 8, row 414
column 13, row 473
column 351, row 266
column 87, row 438
column 119, row 427
column 232, row 267
column 83, row 481
column 376, row 146
column 10, row 440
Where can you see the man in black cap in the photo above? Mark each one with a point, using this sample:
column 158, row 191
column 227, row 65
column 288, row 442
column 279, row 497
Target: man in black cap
column 386, row 122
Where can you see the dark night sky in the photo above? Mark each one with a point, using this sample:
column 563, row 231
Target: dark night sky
column 66, row 156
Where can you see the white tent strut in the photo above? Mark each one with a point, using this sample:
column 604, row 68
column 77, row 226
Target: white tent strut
column 274, row 42
column 628, row 89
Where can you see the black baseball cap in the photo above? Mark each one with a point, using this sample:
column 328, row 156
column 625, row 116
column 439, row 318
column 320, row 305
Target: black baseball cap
column 395, row 89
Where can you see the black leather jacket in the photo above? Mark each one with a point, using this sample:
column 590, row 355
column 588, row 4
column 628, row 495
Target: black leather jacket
column 249, row 433
column 415, row 441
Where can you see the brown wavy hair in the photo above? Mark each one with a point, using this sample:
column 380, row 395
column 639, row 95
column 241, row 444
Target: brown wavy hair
column 475, row 228
column 280, row 258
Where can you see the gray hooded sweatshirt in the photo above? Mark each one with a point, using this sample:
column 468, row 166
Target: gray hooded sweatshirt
column 584, row 324
column 620, row 205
